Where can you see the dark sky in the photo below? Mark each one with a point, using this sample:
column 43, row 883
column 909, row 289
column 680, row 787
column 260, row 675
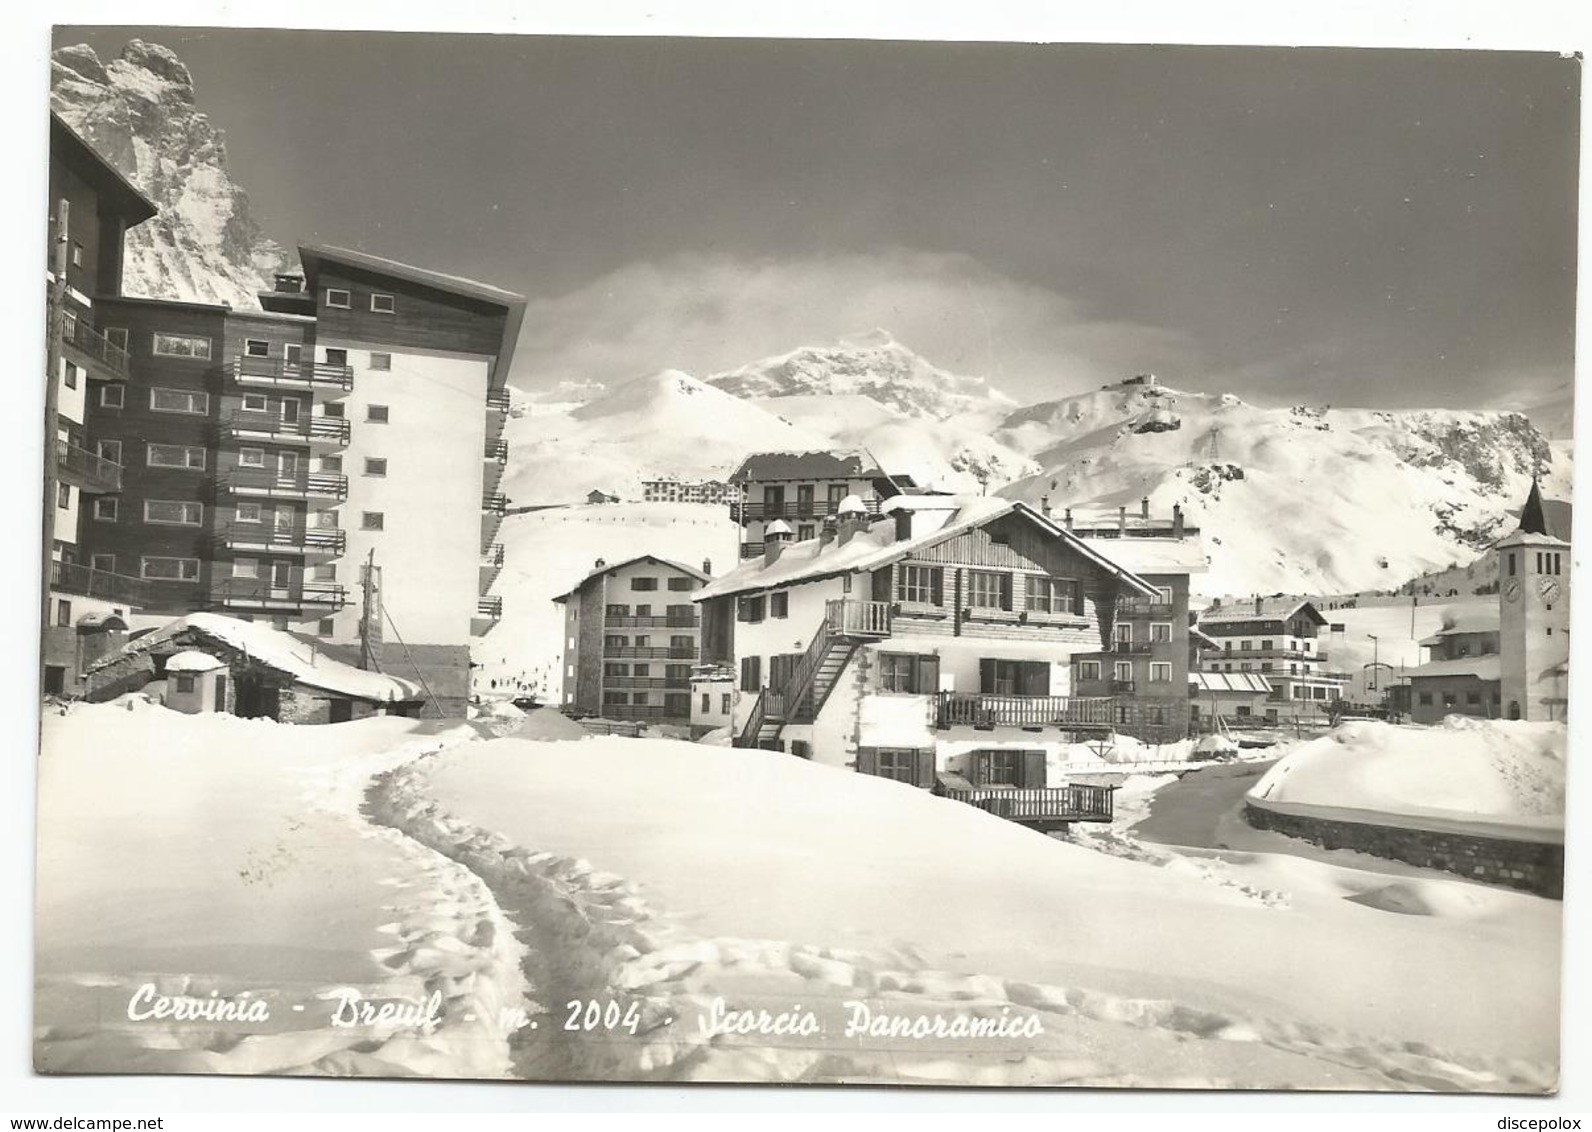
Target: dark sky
column 1354, row 227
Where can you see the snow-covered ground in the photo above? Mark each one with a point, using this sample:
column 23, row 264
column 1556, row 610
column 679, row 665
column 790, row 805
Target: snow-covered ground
column 1467, row 773
column 209, row 858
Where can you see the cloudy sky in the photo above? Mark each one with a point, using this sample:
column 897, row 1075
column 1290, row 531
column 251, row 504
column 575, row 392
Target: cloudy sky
column 1350, row 227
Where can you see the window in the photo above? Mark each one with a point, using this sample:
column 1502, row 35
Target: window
column 381, row 304
column 616, row 641
column 899, row 763
column 293, row 353
column 1013, row 677
column 1088, row 670
column 71, row 376
column 616, row 669
column 63, row 612
column 987, row 589
column 376, row 414
column 256, row 348
column 612, row 697
column 113, row 396
column 751, row 673
column 641, row 670
column 1163, row 595
column 919, row 585
column 1449, row 699
column 175, row 456
column 372, row 521
column 105, row 509
column 245, row 567
column 77, row 254
column 1265, row 646
column 1122, row 671
column 1161, row 631
column 339, row 298
column 682, row 585
column 1024, row 769
column 618, row 611
column 1054, row 595
column 249, row 513
column 181, row 401
column 104, row 563
column 707, row 703
column 375, row 466
column 173, row 512
column 63, row 495
column 1425, row 699
column 181, row 346
column 804, row 532
column 677, row 672
column 643, row 584
column 749, row 609
column 170, row 569
column 331, row 463
column 909, row 673
column 186, row 682
column 109, row 450
column 325, row 626
column 116, row 336
column 1123, row 632
column 724, row 703
column 381, row 361
column 1511, row 557
column 1160, row 673
column 681, row 641
column 336, row 356
column 779, row 605
column 256, row 403
column 251, row 457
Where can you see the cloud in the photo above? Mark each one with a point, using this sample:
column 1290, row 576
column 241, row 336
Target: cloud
column 703, row 313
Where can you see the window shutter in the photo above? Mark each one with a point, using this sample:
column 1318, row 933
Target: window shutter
column 986, row 676
column 743, row 611
column 867, row 760
column 925, row 768
column 980, row 767
column 937, row 585
column 1033, row 773
column 928, row 675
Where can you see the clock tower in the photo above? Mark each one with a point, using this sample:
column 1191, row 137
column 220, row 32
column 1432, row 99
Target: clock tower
column 1534, row 616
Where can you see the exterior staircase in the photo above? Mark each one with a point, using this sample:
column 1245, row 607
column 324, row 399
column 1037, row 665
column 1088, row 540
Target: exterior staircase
column 802, row 695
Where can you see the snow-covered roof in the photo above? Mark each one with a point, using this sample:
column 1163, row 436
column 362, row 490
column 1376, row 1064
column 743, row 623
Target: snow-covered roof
column 836, row 464
column 1228, row 682
column 1470, row 621
column 608, row 567
column 1156, row 555
column 192, row 660
column 277, row 649
column 1484, row 667
column 920, row 501
column 1268, row 609
column 1202, row 638
column 876, row 545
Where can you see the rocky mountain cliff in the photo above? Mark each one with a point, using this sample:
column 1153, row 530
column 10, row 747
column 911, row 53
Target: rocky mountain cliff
column 139, row 111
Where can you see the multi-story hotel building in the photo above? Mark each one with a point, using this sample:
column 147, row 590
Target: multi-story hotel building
column 1279, row 638
column 632, row 640
column 804, row 489
column 668, row 489
column 269, row 457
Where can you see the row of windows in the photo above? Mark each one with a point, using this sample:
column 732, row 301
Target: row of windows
column 988, row 589
column 1265, row 645
column 647, row 583
column 342, row 299
column 1160, row 632
column 293, row 354
column 752, row 608
column 670, row 671
column 679, row 611
column 1265, row 666
column 1548, row 562
column 196, row 403
column 1122, row 671
column 1473, row 698
column 724, row 703
column 107, row 509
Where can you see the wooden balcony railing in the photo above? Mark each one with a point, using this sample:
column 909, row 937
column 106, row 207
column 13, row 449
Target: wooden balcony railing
column 497, row 450
column 87, row 470
column 490, row 606
column 1057, row 803
column 494, row 501
column 848, row 618
column 300, row 484
column 281, row 373
column 492, row 555
column 122, row 589
column 676, row 683
column 794, row 509
column 498, row 400
column 261, row 593
column 654, row 652
column 667, row 621
column 980, row 709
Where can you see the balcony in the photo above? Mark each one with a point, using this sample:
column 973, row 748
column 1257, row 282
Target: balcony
column 259, row 482
column 497, row 450
column 1123, row 686
column 668, row 621
column 120, row 589
column 262, row 594
column 491, row 606
column 644, row 652
column 1040, row 807
column 497, row 400
column 1153, row 609
column 318, row 542
column 844, row 617
column 680, row 684
column 990, row 710
column 816, row 509
column 1273, row 654
column 87, row 348
column 492, row 555
column 86, row 470
column 279, row 373
column 495, row 502
column 322, row 432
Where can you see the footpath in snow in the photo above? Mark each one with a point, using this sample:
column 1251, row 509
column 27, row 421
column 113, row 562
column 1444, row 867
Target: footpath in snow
column 669, row 892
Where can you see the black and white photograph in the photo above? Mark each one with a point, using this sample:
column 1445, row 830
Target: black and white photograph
column 676, row 560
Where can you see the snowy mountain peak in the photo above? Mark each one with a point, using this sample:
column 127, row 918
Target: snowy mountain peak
column 139, row 111
column 873, row 365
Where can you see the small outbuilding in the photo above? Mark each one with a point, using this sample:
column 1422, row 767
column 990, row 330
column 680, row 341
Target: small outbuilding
column 196, row 682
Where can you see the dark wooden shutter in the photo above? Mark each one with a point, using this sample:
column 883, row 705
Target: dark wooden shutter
column 937, row 585
column 928, row 675
column 867, row 760
column 1033, row 770
column 925, row 768
column 986, row 676
column 980, row 767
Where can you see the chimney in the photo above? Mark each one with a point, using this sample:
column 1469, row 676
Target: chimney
column 600, row 563
column 776, row 537
column 826, row 533
column 1177, row 520
column 1069, row 518
column 852, row 518
column 903, row 524
column 1257, row 606
column 1122, row 520
column 1044, row 506
column 707, row 567
column 1144, row 507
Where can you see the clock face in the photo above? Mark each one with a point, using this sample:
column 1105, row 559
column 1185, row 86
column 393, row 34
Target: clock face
column 1512, row 589
column 1548, row 588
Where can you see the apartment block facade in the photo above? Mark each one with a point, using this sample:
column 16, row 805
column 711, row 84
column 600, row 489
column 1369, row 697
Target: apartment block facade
column 1280, row 639
column 804, row 489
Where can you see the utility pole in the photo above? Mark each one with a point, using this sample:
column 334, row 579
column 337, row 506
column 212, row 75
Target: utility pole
column 54, row 334
column 1375, row 658
column 370, row 615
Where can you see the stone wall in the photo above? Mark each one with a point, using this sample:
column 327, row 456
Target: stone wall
column 1532, row 866
column 301, row 704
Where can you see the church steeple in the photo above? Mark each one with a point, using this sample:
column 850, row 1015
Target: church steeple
column 1532, row 519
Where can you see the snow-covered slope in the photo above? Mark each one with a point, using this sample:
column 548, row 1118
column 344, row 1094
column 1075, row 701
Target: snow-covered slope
column 139, row 112
column 1295, row 500
column 667, row 423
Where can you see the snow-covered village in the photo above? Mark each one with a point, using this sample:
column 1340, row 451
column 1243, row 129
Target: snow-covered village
column 466, row 658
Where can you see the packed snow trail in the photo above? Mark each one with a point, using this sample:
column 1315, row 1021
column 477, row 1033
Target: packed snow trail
column 212, row 858
column 660, row 951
